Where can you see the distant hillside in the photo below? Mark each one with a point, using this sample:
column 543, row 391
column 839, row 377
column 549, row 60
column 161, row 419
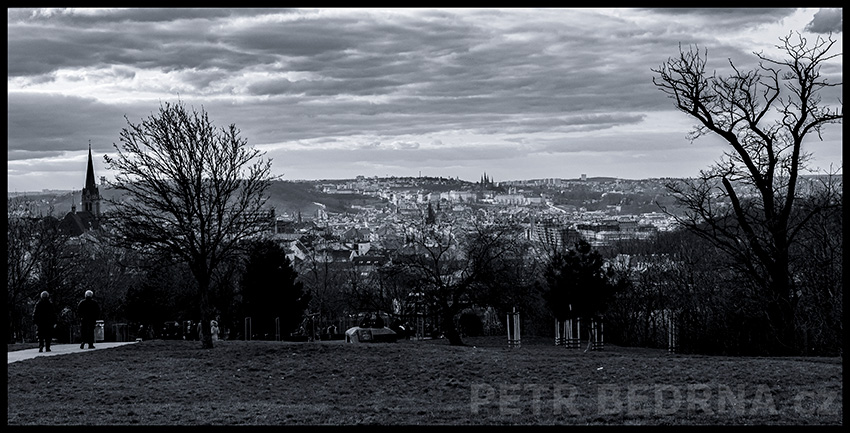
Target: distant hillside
column 302, row 196
column 284, row 196
column 293, row 197
column 49, row 203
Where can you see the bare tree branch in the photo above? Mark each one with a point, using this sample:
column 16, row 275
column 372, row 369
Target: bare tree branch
column 765, row 124
column 188, row 189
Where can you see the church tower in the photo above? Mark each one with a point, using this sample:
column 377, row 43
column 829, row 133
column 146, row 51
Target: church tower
column 91, row 195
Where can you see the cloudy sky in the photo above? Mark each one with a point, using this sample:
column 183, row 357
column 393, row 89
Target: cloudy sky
column 336, row 93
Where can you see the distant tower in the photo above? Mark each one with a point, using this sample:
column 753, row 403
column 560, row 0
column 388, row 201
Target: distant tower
column 91, row 195
column 431, row 217
column 485, row 180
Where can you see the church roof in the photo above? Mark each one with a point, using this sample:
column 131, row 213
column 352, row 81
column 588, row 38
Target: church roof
column 77, row 223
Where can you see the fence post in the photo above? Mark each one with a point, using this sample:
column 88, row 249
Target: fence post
column 514, row 337
column 277, row 328
column 560, row 332
column 247, row 329
column 672, row 334
column 572, row 333
column 597, row 341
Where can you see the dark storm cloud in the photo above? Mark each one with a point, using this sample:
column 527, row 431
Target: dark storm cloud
column 64, row 124
column 436, row 62
column 147, row 38
column 734, row 18
column 283, row 86
column 489, row 74
column 438, row 55
column 33, row 50
column 292, row 38
column 135, row 15
column 376, row 86
column 827, row 21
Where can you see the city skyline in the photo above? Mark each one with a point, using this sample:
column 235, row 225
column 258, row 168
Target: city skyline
column 337, row 93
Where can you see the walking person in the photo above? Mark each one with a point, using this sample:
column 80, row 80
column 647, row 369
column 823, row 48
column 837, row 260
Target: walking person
column 214, row 330
column 87, row 312
column 44, row 317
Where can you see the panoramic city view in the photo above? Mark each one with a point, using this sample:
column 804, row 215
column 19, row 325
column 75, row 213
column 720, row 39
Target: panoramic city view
column 394, row 216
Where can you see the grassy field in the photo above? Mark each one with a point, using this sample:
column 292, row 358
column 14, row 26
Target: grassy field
column 426, row 383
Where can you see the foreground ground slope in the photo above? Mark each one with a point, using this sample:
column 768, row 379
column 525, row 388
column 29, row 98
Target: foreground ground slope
column 429, row 382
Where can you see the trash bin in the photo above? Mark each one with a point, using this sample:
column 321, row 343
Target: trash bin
column 98, row 331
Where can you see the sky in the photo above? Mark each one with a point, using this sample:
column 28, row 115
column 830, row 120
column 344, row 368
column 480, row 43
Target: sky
column 336, row 93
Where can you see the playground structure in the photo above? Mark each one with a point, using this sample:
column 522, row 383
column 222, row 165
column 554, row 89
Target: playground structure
column 571, row 333
column 568, row 333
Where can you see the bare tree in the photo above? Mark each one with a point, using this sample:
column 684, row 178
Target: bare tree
column 459, row 266
column 818, row 271
column 325, row 280
column 188, row 190
column 745, row 202
column 101, row 267
column 36, row 260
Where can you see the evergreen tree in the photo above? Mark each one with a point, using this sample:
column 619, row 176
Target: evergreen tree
column 577, row 285
column 269, row 289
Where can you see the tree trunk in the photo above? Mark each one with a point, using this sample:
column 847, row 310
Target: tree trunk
column 14, row 324
column 206, row 335
column 449, row 330
column 781, row 313
column 203, row 306
column 453, row 336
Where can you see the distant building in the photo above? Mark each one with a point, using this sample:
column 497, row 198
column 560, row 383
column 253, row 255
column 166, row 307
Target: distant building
column 365, row 265
column 460, row 196
column 91, row 194
column 514, row 199
column 554, row 234
column 75, row 223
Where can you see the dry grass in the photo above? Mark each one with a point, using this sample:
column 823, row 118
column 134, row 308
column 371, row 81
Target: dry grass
column 275, row 383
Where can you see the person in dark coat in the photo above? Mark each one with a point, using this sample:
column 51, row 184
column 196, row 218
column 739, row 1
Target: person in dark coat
column 44, row 317
column 87, row 312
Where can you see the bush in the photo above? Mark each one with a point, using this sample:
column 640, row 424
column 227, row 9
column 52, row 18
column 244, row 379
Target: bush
column 470, row 324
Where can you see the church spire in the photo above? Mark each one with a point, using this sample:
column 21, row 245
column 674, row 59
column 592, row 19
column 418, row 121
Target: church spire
column 91, row 195
column 90, row 171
